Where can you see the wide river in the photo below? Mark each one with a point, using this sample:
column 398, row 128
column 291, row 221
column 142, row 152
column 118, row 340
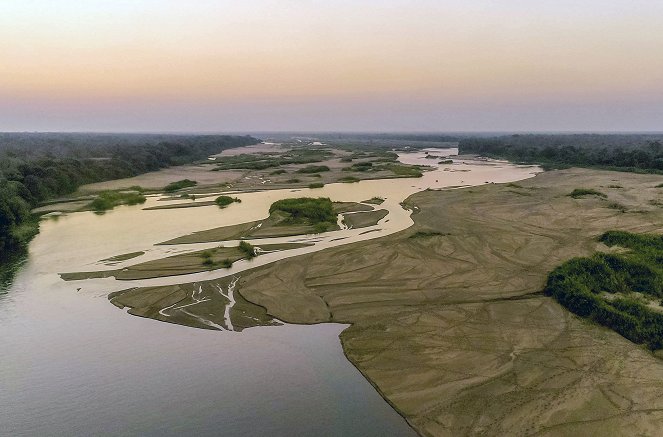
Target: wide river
column 73, row 364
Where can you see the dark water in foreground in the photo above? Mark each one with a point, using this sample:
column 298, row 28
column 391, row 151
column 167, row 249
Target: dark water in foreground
column 72, row 364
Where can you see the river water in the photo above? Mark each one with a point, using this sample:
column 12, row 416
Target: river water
column 72, row 364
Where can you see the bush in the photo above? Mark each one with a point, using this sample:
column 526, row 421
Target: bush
column 580, row 283
column 582, row 192
column 248, row 249
column 108, row 200
column 306, row 210
column 313, row 169
column 279, row 171
column 316, row 185
column 175, row 186
column 348, row 179
column 224, row 201
column 293, row 181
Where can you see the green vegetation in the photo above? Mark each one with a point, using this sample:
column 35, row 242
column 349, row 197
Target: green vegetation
column 108, row 200
column 313, row 169
column 427, row 234
column 360, row 166
column 659, row 186
column 405, row 171
column 642, row 153
column 268, row 160
column 176, row 186
column 446, row 161
column 248, row 249
column 293, row 181
column 582, row 192
column 35, row 167
column 346, row 159
column 349, row 179
column 615, row 186
column 224, row 201
column 226, row 263
column 375, row 200
column 305, row 210
column 622, row 290
column 316, row 185
column 279, row 171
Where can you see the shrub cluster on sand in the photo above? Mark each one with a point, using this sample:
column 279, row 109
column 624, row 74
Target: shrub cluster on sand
column 224, row 201
column 248, row 249
column 175, row 186
column 110, row 199
column 316, row 185
column 582, row 192
column 313, row 169
column 305, row 210
column 617, row 290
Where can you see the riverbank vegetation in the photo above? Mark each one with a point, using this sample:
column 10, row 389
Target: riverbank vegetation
column 264, row 161
column 37, row 167
column 305, row 210
column 638, row 153
column 108, row 200
column 621, row 290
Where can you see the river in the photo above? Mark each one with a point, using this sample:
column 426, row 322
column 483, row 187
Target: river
column 73, row 364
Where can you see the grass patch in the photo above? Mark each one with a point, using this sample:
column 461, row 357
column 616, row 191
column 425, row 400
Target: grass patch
column 279, row 171
column 375, row 201
column 348, row 179
column 263, row 161
column 313, row 169
column 175, row 186
column 616, row 290
column 582, row 192
column 293, row 181
column 615, row 186
column 514, row 185
column 108, row 200
column 659, row 186
column 224, row 201
column 317, row 212
column 405, row 171
column 446, row 161
column 316, row 185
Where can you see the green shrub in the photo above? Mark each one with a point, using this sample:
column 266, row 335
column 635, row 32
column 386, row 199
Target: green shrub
column 582, row 192
column 226, row 263
column 175, row 186
column 348, row 179
column 224, row 201
column 313, row 169
column 293, row 181
column 306, row 210
column 107, row 200
column 248, row 249
column 279, row 171
column 580, row 283
column 316, row 185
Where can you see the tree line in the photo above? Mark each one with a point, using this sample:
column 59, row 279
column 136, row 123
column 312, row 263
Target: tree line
column 37, row 167
column 640, row 153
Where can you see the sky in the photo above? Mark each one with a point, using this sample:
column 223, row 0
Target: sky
column 333, row 65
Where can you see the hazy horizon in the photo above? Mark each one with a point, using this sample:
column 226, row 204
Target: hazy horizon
column 311, row 66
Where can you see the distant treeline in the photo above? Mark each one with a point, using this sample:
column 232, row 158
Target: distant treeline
column 36, row 167
column 642, row 153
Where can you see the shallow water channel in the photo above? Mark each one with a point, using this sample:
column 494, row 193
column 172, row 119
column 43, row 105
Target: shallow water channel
column 73, row 364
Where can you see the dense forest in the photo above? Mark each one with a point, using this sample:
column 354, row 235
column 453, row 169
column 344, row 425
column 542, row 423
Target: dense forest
column 35, row 167
column 636, row 152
